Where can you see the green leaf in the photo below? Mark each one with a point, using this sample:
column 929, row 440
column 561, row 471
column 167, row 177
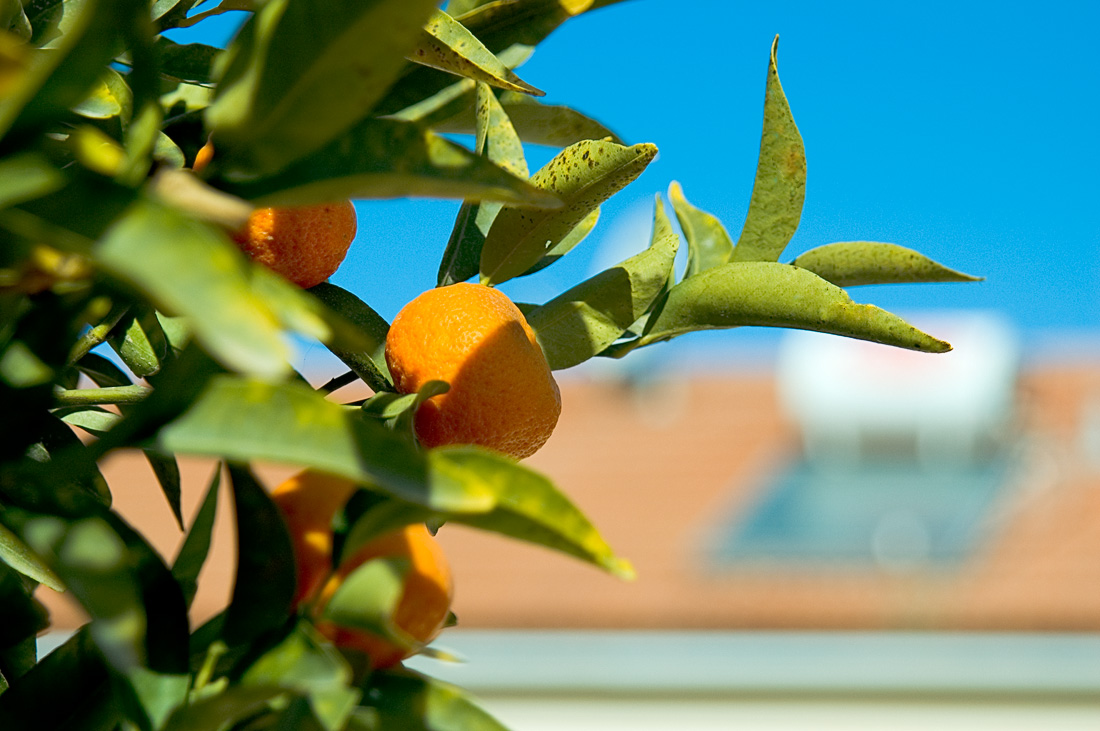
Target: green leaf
column 367, row 599
column 409, row 700
column 497, row 140
column 102, row 371
column 301, row 72
column 572, row 239
column 853, row 263
column 218, row 712
column 708, row 243
column 534, row 121
column 388, row 158
column 398, row 412
column 581, row 322
column 302, row 662
column 369, row 361
column 84, row 38
column 95, row 420
column 93, row 562
column 780, row 187
column 186, row 61
column 111, row 97
column 526, row 506
column 74, row 672
column 196, row 546
column 236, row 309
column 447, row 45
column 583, row 176
column 502, row 24
column 778, row 295
column 24, row 616
column 26, row 176
column 139, row 342
column 290, row 423
column 263, row 587
column 167, row 471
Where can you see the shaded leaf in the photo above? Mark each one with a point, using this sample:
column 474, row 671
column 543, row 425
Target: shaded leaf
column 572, row 239
column 448, row 46
column 292, row 424
column 388, row 158
column 780, row 187
column 75, row 672
column 102, row 371
column 778, row 295
column 502, row 24
column 284, row 93
column 139, row 342
column 110, row 97
column 405, row 699
column 367, row 599
column 24, row 616
column 93, row 419
column 167, row 471
column 853, row 263
column 526, row 506
column 186, row 61
column 583, row 321
column 19, row 556
column 25, row 176
column 82, row 40
column 496, row 140
column 708, row 243
column 302, row 662
column 214, row 712
column 534, row 121
column 196, row 546
column 264, row 582
column 369, row 361
column 583, row 176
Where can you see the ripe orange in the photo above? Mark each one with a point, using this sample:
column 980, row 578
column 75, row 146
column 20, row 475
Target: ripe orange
column 308, row 502
column 503, row 395
column 425, row 600
column 305, row 244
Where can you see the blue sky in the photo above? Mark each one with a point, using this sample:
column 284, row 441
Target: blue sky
column 964, row 130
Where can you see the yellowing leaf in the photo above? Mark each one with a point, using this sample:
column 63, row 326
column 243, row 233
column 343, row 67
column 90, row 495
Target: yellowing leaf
column 780, row 187
column 852, row 263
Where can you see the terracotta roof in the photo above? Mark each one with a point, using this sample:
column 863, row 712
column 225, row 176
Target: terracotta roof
column 659, row 466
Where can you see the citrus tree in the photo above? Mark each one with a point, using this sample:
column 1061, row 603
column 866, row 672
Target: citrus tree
column 169, row 213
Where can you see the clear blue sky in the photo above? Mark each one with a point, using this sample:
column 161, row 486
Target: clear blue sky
column 966, row 130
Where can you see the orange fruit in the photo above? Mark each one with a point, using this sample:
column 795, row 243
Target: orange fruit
column 502, row 396
column 425, row 599
column 305, row 244
column 308, row 502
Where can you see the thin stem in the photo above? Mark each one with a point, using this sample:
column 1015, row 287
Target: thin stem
column 98, row 334
column 99, row 396
column 339, row 382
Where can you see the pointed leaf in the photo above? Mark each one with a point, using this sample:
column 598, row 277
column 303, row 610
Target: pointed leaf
column 186, row 61
column 572, row 239
column 26, row 176
column 139, row 342
column 527, row 506
column 196, row 546
column 447, row 45
column 497, row 140
column 581, row 322
column 778, row 295
column 19, row 556
column 708, row 243
column 502, row 24
column 301, row 72
column 263, row 587
column 389, row 158
column 187, row 267
column 302, row 662
column 167, row 471
column 535, row 122
column 24, row 616
column 405, row 699
column 85, row 38
column 853, row 263
column 368, row 597
column 780, row 187
column 583, row 176
column 369, row 360
column 292, row 424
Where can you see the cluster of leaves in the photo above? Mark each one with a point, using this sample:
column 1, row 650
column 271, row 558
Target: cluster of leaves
column 108, row 240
